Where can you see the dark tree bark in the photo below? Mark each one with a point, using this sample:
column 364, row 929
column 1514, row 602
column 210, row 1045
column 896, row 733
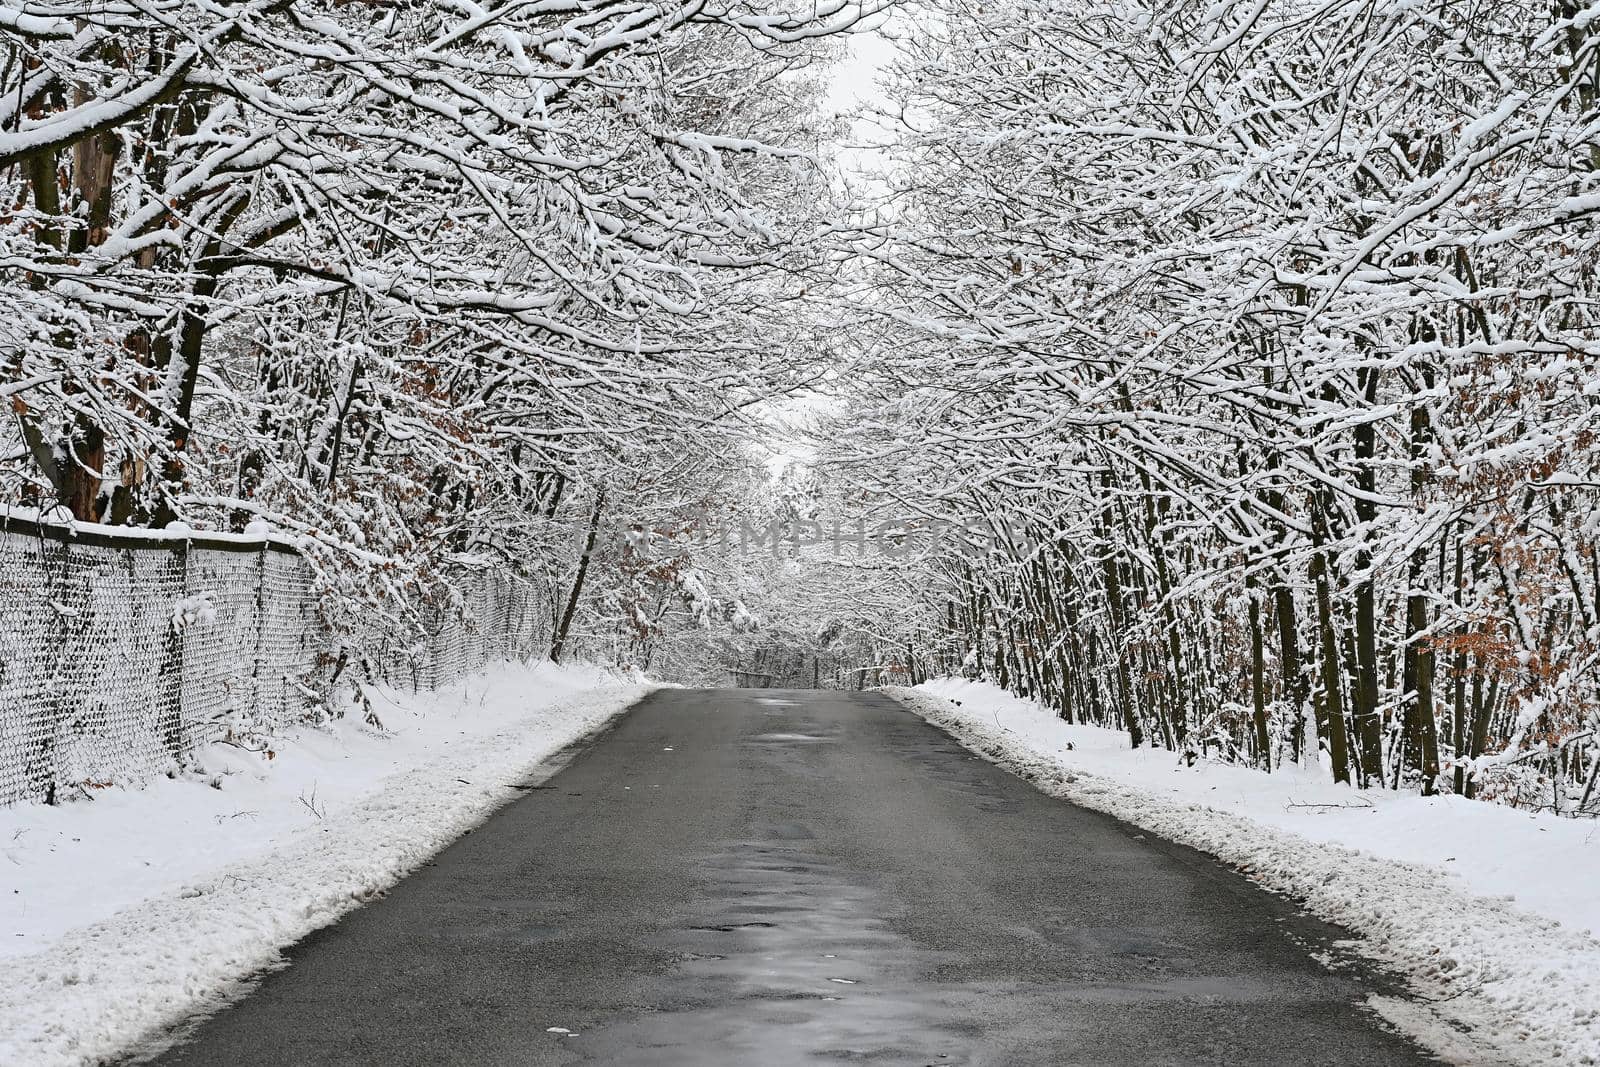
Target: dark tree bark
column 560, row 639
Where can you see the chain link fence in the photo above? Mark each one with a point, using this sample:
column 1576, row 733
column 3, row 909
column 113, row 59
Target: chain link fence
column 121, row 653
column 497, row 617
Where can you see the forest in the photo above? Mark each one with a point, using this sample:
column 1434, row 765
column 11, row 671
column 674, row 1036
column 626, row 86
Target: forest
column 1249, row 345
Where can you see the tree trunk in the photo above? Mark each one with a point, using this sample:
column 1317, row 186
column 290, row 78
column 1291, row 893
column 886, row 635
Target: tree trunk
column 1333, row 724
column 560, row 639
column 1258, row 684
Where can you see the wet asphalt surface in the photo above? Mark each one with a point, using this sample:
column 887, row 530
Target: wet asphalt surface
column 768, row 877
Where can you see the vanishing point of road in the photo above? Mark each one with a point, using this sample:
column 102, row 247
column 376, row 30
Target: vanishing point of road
column 800, row 877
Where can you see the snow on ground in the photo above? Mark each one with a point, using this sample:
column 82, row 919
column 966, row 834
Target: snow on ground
column 1489, row 913
column 121, row 915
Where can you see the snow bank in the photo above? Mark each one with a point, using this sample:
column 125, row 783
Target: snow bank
column 123, row 915
column 1488, row 912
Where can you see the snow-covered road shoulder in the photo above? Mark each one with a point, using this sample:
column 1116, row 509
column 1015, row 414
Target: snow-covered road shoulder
column 123, row 915
column 1490, row 982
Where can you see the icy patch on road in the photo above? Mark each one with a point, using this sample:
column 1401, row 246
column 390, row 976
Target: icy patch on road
column 124, row 915
column 1425, row 883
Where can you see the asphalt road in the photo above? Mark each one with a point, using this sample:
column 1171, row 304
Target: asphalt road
column 767, row 877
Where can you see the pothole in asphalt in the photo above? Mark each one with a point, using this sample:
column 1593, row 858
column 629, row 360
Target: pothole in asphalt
column 803, row 739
